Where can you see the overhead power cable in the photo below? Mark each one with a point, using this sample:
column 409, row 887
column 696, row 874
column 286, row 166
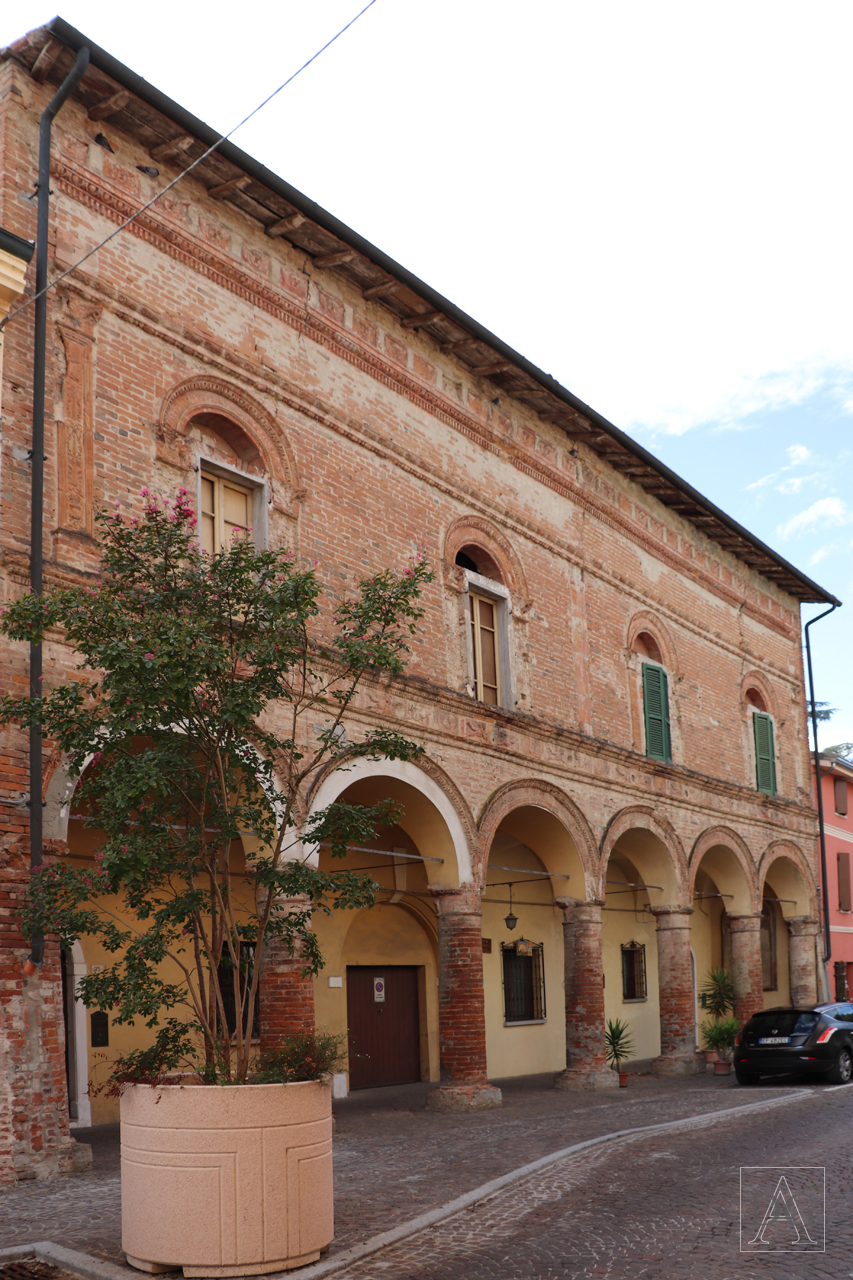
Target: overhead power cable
column 224, row 138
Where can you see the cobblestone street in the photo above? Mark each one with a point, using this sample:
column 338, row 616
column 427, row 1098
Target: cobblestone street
column 613, row 1211
column 651, row 1206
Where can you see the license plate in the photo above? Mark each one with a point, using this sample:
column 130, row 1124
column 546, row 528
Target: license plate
column 775, row 1040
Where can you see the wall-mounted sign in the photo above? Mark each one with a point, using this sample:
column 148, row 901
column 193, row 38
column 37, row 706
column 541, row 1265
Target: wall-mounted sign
column 379, row 990
column 523, row 947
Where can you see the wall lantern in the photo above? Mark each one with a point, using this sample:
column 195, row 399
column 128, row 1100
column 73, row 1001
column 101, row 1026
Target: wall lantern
column 510, row 920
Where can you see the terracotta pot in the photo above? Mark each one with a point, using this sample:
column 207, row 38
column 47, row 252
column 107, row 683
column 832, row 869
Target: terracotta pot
column 623, row 1079
column 226, row 1181
column 712, row 1055
column 722, row 1068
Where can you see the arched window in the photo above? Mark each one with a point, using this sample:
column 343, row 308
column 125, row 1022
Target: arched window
column 488, row 610
column 232, row 489
column 658, row 737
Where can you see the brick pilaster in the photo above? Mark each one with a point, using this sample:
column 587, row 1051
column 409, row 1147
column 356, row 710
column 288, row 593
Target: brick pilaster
column 678, row 1055
column 802, row 961
column 35, row 1142
column 747, row 973
column 286, row 998
column 586, row 1060
column 461, row 1014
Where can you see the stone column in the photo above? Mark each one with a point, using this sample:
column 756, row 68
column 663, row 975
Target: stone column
column 678, row 1056
column 747, row 973
column 586, row 1059
column 802, row 961
column 461, row 1015
column 286, row 998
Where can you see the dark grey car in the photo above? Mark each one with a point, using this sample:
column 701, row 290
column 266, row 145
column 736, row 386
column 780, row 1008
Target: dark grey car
column 816, row 1041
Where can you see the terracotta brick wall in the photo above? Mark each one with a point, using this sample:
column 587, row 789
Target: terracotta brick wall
column 373, row 442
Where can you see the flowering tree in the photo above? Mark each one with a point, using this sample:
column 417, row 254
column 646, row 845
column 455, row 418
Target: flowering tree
column 195, row 721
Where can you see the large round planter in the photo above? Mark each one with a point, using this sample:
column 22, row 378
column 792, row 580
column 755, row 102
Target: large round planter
column 226, row 1181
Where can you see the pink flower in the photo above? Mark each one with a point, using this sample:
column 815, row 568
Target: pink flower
column 149, row 657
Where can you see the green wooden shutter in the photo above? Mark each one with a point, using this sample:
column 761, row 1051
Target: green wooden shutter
column 656, row 708
column 765, row 756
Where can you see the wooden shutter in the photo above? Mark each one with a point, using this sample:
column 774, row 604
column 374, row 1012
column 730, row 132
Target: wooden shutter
column 844, row 880
column 841, row 796
column 484, row 638
column 656, row 708
column 765, row 756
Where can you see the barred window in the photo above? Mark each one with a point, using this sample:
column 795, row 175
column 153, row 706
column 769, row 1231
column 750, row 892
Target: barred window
column 633, row 971
column 524, row 981
column 226, row 986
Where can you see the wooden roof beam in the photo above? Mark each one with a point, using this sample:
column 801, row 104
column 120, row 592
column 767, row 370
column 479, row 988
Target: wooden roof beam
column 282, row 225
column 383, row 290
column 487, row 370
column 173, row 148
column 109, row 106
column 44, row 62
column 422, row 318
column 457, row 344
column 230, row 187
column 339, row 258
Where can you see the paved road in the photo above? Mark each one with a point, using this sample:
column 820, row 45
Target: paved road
column 659, row 1206
column 652, row 1207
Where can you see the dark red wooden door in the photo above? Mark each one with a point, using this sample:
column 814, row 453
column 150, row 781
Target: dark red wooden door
column 384, row 1034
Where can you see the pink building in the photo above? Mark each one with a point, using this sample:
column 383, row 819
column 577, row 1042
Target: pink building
column 837, row 784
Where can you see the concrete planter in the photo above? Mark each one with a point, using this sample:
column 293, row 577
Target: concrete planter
column 231, row 1181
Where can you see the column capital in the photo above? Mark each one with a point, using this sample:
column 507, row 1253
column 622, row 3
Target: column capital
column 746, row 923
column 801, row 926
column 672, row 917
column 462, row 901
column 580, row 908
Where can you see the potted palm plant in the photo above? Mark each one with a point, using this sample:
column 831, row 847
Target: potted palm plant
column 718, row 997
column 721, row 1037
column 620, row 1046
column 193, row 727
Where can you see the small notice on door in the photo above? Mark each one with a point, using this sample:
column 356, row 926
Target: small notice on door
column 379, row 990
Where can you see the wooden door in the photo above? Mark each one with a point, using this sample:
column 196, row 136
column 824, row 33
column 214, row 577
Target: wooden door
column 384, row 1030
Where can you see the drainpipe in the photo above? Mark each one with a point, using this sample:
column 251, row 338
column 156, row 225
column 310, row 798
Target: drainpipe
column 70, row 82
column 827, row 941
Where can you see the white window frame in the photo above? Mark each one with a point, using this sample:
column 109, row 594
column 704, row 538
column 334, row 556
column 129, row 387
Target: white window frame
column 257, row 486
column 498, row 595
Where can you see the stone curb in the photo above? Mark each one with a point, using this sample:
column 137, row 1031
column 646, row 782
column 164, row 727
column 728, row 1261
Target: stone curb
column 83, row 1264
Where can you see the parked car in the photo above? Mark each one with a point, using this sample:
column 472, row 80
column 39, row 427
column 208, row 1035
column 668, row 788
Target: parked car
column 817, row 1041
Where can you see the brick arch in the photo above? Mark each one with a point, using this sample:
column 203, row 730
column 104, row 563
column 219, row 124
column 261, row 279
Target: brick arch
column 806, row 902
column 756, row 680
column 425, row 777
column 485, row 534
column 539, row 795
column 645, row 818
column 208, row 394
column 645, row 621
column 724, row 837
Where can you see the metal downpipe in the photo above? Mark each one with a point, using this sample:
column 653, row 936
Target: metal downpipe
column 70, row 82
column 827, row 940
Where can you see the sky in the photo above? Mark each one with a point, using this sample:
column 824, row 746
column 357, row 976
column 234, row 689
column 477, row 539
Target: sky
column 651, row 202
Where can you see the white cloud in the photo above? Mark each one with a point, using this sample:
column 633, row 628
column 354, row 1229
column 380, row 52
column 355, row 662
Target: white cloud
column 821, row 553
column 798, row 453
column 795, row 483
column 826, row 511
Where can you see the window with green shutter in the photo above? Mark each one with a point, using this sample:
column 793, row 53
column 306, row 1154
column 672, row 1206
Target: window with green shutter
column 765, row 755
column 656, row 708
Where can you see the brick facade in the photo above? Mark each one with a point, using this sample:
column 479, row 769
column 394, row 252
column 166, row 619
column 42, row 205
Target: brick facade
column 203, row 338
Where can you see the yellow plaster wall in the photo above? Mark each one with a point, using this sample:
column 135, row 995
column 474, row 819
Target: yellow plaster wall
column 642, row 1017
column 516, row 1049
column 401, row 933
